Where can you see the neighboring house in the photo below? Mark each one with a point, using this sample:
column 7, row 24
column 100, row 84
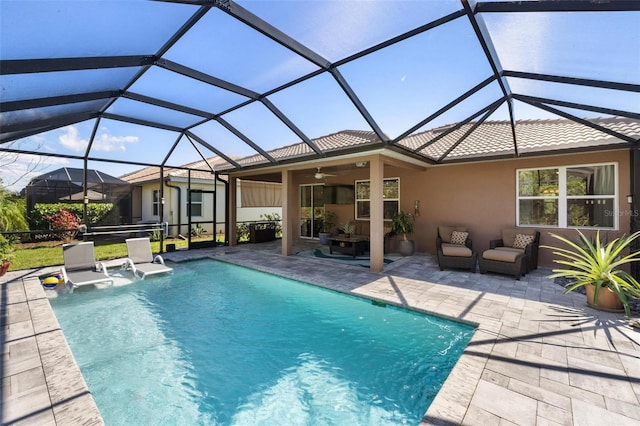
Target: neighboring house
column 259, row 198
column 65, row 185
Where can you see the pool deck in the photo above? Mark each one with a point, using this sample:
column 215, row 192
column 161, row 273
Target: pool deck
column 538, row 357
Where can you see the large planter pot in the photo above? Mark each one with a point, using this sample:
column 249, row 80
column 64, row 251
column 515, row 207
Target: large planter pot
column 4, row 267
column 607, row 299
column 406, row 247
column 324, row 238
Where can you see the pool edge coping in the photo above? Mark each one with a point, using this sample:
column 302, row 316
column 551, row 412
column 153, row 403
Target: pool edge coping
column 68, row 399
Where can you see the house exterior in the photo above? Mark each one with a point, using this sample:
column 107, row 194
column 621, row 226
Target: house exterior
column 564, row 176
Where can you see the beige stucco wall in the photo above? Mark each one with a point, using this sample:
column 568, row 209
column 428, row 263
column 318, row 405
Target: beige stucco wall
column 478, row 195
column 481, row 196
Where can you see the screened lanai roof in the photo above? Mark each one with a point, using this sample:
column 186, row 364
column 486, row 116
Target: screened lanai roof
column 174, row 82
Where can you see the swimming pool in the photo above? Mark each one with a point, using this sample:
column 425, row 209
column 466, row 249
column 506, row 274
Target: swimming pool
column 217, row 343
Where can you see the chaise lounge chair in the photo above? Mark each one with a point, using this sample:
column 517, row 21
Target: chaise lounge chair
column 80, row 266
column 141, row 260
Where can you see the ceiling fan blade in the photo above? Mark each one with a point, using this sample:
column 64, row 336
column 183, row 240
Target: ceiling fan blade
column 320, row 175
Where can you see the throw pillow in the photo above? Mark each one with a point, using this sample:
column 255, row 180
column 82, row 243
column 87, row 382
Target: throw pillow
column 459, row 238
column 522, row 241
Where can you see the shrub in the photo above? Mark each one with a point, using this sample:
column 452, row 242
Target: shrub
column 155, row 235
column 197, row 230
column 242, row 232
column 66, row 222
column 12, row 211
column 98, row 214
column 274, row 221
column 6, row 249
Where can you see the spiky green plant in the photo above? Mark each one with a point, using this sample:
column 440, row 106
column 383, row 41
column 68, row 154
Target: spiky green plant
column 598, row 263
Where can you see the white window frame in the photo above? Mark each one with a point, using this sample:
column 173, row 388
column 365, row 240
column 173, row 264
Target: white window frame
column 199, row 203
column 562, row 197
column 368, row 200
column 155, row 202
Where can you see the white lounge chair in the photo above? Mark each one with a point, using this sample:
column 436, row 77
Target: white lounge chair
column 80, row 266
column 141, row 260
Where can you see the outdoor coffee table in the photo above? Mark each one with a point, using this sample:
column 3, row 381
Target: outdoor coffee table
column 353, row 245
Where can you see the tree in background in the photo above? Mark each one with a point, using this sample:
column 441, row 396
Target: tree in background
column 18, row 167
column 12, row 211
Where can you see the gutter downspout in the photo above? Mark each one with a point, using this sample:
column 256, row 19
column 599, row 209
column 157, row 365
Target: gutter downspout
column 167, row 182
column 226, row 204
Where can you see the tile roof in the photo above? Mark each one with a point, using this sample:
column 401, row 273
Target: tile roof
column 494, row 138
column 199, row 170
column 328, row 143
column 489, row 139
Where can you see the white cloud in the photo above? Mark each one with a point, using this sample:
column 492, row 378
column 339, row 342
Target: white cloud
column 106, row 142
column 103, row 142
column 71, row 139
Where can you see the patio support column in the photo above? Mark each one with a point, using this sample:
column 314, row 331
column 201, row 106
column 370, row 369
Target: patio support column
column 376, row 237
column 231, row 212
column 288, row 212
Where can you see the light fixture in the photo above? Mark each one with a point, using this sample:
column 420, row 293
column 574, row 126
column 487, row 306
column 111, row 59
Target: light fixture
column 361, row 164
column 630, row 199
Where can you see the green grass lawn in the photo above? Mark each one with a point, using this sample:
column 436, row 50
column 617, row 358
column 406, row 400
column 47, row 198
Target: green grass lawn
column 50, row 253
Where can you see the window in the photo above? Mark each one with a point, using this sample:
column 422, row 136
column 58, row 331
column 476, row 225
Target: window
column 156, row 202
column 196, row 204
column 575, row 196
column 390, row 193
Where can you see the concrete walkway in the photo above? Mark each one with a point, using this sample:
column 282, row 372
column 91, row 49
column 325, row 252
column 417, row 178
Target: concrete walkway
column 538, row 357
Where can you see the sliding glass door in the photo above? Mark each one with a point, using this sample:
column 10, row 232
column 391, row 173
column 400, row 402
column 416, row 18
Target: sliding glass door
column 311, row 210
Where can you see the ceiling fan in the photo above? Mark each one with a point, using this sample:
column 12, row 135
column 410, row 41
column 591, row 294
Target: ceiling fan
column 319, row 175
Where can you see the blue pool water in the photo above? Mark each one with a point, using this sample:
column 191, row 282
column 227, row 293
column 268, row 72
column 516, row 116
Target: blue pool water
column 218, row 344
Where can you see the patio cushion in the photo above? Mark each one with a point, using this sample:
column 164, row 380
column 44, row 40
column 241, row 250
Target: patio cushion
column 446, row 231
column 459, row 238
column 522, row 241
column 509, row 235
column 510, row 249
column 501, row 255
column 456, row 250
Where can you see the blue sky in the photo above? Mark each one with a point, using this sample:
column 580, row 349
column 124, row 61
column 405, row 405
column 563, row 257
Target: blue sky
column 400, row 85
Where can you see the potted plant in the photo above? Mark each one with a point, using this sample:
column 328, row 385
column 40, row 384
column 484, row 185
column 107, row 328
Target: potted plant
column 6, row 254
column 347, row 229
column 596, row 266
column 402, row 224
column 328, row 223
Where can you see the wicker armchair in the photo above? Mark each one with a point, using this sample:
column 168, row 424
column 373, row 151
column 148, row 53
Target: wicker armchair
column 508, row 242
column 455, row 251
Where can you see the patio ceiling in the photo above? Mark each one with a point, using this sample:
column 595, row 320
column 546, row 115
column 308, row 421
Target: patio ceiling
column 234, row 82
